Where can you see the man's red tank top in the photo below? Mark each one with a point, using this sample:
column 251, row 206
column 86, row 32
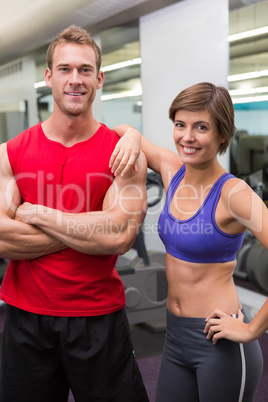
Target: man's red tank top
column 74, row 179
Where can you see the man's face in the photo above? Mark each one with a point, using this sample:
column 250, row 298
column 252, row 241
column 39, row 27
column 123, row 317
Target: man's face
column 74, row 78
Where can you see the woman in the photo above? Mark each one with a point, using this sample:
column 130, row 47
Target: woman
column 202, row 225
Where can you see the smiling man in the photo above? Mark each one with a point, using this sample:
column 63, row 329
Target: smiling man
column 64, row 220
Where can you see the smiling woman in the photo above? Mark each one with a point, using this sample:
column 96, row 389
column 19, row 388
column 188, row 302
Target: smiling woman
column 194, row 135
column 202, row 227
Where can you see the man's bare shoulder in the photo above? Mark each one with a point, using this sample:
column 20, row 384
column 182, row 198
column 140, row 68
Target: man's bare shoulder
column 3, row 154
column 3, row 148
column 5, row 168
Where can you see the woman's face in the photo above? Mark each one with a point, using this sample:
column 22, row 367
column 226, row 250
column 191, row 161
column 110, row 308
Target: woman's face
column 196, row 136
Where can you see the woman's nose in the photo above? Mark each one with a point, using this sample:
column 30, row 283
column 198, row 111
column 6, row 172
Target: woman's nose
column 188, row 136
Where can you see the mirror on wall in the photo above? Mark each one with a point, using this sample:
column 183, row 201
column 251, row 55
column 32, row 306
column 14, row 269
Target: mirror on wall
column 122, row 91
column 13, row 119
column 248, row 86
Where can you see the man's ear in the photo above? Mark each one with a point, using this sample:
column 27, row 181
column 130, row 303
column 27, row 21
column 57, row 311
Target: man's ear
column 100, row 79
column 48, row 77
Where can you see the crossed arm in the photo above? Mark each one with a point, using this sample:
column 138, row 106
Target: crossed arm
column 110, row 231
column 17, row 239
column 29, row 231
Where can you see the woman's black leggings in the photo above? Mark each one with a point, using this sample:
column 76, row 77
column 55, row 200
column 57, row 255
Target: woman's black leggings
column 194, row 369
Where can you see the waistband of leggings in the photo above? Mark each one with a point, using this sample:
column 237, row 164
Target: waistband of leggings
column 186, row 321
column 191, row 321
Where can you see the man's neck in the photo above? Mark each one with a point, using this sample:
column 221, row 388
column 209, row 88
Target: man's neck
column 70, row 129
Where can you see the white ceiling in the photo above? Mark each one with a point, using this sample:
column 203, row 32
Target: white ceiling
column 34, row 24
column 27, row 25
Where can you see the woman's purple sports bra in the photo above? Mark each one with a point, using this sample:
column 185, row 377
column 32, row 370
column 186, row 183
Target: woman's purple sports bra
column 198, row 239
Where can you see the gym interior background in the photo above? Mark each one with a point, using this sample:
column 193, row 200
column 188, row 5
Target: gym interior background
column 152, row 49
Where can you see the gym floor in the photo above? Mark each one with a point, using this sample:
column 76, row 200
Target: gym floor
column 146, row 342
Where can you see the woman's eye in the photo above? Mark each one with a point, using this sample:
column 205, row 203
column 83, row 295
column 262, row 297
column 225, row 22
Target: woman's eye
column 202, row 128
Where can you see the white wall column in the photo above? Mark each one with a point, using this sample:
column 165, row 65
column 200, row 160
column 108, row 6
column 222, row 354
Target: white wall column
column 181, row 45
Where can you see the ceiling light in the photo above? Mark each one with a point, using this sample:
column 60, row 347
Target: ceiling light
column 248, row 91
column 122, row 64
column 40, row 84
column 120, row 95
column 250, row 99
column 248, row 34
column 247, row 76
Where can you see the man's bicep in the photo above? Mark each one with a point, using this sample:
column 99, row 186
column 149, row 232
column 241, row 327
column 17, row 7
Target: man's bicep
column 127, row 195
column 10, row 197
column 133, row 194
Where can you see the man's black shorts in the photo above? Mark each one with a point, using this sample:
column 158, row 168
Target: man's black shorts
column 45, row 356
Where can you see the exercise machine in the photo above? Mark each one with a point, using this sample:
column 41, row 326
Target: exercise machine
column 3, row 267
column 252, row 258
column 252, row 274
column 143, row 274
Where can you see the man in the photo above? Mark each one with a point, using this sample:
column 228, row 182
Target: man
column 64, row 218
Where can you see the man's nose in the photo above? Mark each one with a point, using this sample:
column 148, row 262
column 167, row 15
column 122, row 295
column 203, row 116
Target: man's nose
column 75, row 77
